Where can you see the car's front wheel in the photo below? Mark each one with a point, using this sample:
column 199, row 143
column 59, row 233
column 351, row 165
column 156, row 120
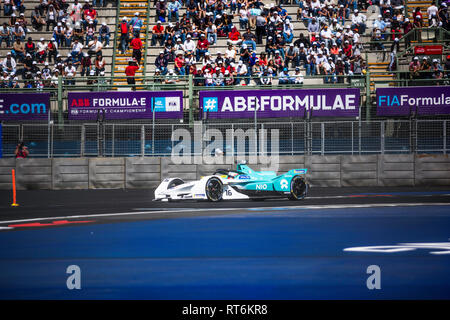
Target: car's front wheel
column 299, row 188
column 214, row 189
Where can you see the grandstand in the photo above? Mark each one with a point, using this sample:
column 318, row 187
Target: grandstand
column 375, row 62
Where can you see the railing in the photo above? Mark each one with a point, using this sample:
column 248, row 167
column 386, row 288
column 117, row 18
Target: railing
column 303, row 137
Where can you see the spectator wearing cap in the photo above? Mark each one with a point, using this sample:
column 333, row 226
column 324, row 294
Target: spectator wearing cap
column 244, row 54
column 243, row 17
column 443, row 16
column 313, row 26
column 230, row 54
column 191, row 9
column 17, row 32
column 283, row 77
column 242, row 73
column 158, row 34
column 59, row 33
column 161, row 10
column 173, row 10
column 280, row 45
column 86, row 64
column 437, row 70
column 359, row 22
column 171, row 77
column 161, row 63
column 78, row 33
column 218, row 78
column 310, row 65
column 105, row 34
column 124, row 35
column 69, row 73
column 157, row 76
column 189, row 45
column 136, row 24
column 291, row 56
column 77, row 47
column 90, row 31
column 41, row 51
column 92, row 79
column 75, row 10
column 414, row 68
column 425, row 69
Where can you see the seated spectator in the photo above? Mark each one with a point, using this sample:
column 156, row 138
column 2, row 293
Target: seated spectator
column 90, row 15
column 8, row 7
column 90, row 31
column 160, row 11
column 17, row 32
column 202, row 47
column 291, row 56
column 52, row 50
column 249, row 38
column 51, row 17
column 425, row 69
column 78, row 33
column 86, row 64
column 68, row 37
column 437, row 70
column 76, row 48
column 171, row 77
column 41, row 51
column 104, row 34
column 76, row 12
column 161, row 63
column 9, row 64
column 5, row 35
column 234, row 37
column 242, row 73
column 100, row 64
column 18, row 51
column 59, row 34
column 173, row 10
column 69, row 73
column 359, row 22
column 158, row 34
column 211, row 33
column 95, row 47
column 283, row 77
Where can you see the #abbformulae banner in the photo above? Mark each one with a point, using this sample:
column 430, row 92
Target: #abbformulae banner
column 24, row 106
column 125, row 105
column 279, row 103
column 404, row 101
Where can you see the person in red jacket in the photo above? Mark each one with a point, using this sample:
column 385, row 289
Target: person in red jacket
column 136, row 45
column 130, row 72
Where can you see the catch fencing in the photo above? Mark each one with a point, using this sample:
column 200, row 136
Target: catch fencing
column 303, row 137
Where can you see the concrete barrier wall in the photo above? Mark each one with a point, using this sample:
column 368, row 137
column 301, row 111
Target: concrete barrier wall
column 147, row 172
column 6, row 165
column 106, row 173
column 432, row 170
column 70, row 173
column 142, row 172
column 34, row 174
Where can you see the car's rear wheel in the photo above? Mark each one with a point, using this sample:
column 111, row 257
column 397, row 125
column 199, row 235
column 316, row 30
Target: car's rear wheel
column 299, row 188
column 214, row 189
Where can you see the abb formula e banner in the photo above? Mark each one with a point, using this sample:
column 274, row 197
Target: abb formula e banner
column 24, row 106
column 125, row 105
column 279, row 103
column 407, row 100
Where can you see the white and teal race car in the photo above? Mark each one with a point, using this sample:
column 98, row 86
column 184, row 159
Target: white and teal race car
column 242, row 183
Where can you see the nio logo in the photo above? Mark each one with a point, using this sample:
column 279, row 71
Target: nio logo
column 284, row 184
column 261, row 186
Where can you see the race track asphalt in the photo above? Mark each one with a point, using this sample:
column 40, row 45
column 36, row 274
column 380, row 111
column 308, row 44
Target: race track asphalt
column 130, row 247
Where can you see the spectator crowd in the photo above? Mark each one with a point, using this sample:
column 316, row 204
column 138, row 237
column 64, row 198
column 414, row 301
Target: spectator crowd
column 261, row 42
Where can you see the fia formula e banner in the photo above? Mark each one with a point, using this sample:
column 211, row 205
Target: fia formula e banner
column 125, row 105
column 24, row 106
column 279, row 103
column 406, row 100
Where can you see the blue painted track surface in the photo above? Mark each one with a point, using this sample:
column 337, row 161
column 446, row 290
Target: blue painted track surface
column 272, row 254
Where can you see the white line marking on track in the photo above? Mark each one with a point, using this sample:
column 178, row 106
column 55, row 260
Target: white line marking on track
column 311, row 207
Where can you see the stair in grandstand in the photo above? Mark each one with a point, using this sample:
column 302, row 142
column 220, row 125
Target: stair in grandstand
column 379, row 75
column 423, row 5
column 127, row 9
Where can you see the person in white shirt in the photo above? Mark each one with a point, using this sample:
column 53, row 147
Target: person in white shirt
column 326, row 35
column 230, row 54
column 189, row 45
column 76, row 48
column 241, row 72
column 358, row 21
column 69, row 72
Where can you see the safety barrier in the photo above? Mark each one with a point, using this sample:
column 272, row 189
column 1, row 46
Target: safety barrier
column 147, row 172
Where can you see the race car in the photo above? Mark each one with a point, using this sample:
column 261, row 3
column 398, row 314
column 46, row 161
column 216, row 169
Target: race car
column 242, row 183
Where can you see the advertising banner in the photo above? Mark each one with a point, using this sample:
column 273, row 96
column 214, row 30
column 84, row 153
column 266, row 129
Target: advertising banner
column 125, row 105
column 428, row 50
column 405, row 100
column 24, row 106
column 279, row 103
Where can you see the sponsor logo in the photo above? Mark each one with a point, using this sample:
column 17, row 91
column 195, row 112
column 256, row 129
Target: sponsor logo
column 300, row 171
column 199, row 195
column 244, row 177
column 261, row 187
column 23, row 109
column 284, row 184
column 210, row 104
column 436, row 248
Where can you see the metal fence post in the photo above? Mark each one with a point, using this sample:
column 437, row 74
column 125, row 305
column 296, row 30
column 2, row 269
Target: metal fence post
column 444, row 128
column 191, row 100
column 113, row 136
column 60, row 103
column 382, row 130
column 292, row 138
column 83, row 139
column 322, row 138
column 143, row 141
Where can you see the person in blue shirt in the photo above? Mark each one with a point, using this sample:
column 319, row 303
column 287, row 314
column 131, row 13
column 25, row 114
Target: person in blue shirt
column 136, row 24
column 173, row 8
column 283, row 77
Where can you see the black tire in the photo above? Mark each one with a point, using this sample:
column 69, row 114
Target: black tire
column 214, row 189
column 299, row 188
